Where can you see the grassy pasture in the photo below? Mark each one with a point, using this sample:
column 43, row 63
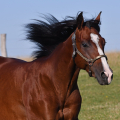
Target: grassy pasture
column 100, row 102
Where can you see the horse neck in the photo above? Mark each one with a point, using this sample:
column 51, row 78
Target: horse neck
column 64, row 69
column 64, row 63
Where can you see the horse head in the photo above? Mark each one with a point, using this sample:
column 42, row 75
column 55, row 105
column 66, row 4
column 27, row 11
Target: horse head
column 88, row 46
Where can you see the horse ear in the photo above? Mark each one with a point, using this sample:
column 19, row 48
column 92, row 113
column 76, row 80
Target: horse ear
column 98, row 17
column 80, row 20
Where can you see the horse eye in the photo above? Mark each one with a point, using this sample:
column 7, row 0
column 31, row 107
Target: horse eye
column 84, row 45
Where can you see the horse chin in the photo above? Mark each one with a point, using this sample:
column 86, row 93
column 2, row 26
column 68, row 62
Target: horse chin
column 101, row 78
column 102, row 81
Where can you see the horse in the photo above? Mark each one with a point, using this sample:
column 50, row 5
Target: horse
column 46, row 88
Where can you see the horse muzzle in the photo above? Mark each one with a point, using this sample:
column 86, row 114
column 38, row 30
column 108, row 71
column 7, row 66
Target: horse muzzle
column 107, row 78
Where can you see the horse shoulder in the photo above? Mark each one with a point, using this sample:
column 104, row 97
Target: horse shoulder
column 39, row 91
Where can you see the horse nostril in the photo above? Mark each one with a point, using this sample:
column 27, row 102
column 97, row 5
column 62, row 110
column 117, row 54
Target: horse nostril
column 112, row 77
column 103, row 75
column 106, row 78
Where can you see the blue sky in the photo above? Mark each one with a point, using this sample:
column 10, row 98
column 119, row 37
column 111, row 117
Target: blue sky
column 15, row 14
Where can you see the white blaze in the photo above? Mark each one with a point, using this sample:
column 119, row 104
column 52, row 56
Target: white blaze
column 107, row 71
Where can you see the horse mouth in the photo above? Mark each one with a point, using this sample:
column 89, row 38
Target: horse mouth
column 103, row 79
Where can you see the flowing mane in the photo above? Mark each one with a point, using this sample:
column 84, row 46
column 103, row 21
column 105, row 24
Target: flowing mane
column 47, row 35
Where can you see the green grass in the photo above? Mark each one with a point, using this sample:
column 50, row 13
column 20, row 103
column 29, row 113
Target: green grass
column 101, row 102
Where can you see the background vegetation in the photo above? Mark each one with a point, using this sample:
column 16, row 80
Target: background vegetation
column 101, row 102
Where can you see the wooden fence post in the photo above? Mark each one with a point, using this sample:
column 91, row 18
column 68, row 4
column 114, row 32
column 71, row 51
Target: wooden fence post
column 3, row 45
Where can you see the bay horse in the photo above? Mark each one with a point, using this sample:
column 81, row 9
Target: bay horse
column 46, row 88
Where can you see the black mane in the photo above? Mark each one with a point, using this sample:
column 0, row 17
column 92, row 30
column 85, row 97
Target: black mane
column 47, row 35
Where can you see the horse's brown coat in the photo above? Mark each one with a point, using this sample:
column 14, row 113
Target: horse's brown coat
column 44, row 89
column 39, row 90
